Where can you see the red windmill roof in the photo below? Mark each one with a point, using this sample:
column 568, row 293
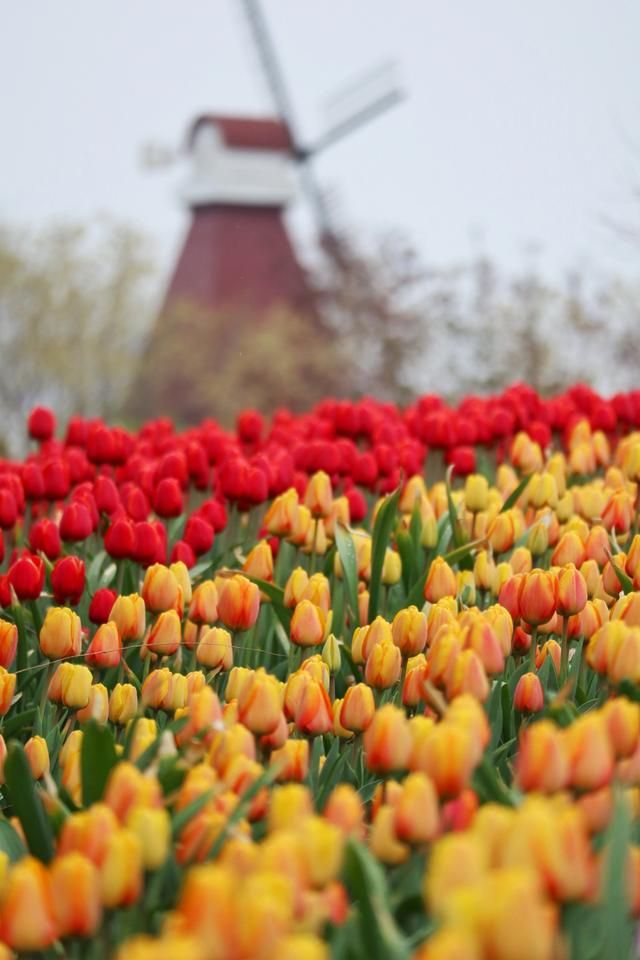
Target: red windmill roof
column 256, row 133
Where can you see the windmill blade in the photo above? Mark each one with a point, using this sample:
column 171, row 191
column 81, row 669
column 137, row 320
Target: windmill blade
column 277, row 86
column 360, row 102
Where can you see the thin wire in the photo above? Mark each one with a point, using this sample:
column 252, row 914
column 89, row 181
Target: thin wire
column 129, row 646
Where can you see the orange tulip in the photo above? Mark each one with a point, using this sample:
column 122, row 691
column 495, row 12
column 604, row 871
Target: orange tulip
column 528, row 696
column 75, row 885
column 203, row 608
column 387, row 741
column 538, row 597
column 105, row 649
column 27, row 919
column 314, row 714
column 358, row 708
column 60, row 635
column 307, row 624
column 215, row 649
column 161, row 590
column 441, row 581
column 239, row 603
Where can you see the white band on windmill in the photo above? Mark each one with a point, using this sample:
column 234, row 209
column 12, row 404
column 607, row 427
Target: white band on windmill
column 239, row 165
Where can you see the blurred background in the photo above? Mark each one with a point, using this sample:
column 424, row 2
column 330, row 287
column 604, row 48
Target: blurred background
column 434, row 198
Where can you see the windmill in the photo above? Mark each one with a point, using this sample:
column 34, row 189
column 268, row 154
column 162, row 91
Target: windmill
column 238, row 256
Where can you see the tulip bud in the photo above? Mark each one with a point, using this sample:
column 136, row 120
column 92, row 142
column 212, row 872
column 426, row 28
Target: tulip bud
column 476, row 492
column 292, row 759
column 8, row 643
column 538, row 539
column 280, row 515
column 358, row 708
column 590, row 753
column 344, row 809
column 215, row 649
column 38, row 756
column 314, row 714
column 121, row 871
column 503, row 531
column 528, row 696
column 165, row 635
column 105, row 649
column 67, row 580
column 203, row 608
column 239, row 603
column 7, row 690
column 538, row 597
column 260, row 703
column 383, row 666
column 97, row 707
column 542, row 762
column 441, row 581
column 259, row 562
column 308, row 625
column 75, row 885
column 123, row 703
column 27, row 919
column 128, row 613
column 416, row 815
column 572, row 591
column 75, row 685
column 152, row 827
column 60, row 635
column 318, row 495
column 331, row 655
column 409, row 631
column 295, row 587
column 622, row 718
column 383, row 840
column 161, row 590
column 387, row 741
column 457, row 861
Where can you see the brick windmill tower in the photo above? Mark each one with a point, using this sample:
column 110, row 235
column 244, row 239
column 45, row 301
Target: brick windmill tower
column 238, row 267
column 237, row 253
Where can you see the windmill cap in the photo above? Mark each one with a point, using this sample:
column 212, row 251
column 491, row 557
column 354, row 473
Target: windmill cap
column 251, row 133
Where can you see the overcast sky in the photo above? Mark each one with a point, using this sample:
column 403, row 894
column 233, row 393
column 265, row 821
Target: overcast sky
column 521, row 126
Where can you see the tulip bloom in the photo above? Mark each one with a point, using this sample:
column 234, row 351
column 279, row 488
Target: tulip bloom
column 260, row 703
column 528, row 696
column 441, row 581
column 8, row 643
column 308, row 624
column 572, row 591
column 215, row 649
column 318, row 496
column 75, row 885
column 409, row 631
column 38, row 756
column 387, row 740
column 542, row 762
column 358, row 708
column 538, row 597
column 27, row 916
column 105, row 649
column 239, row 603
column 383, row 666
column 123, row 703
column 128, row 613
column 203, row 608
column 416, row 817
column 165, row 635
column 60, row 635
column 67, row 580
column 75, row 685
column 314, row 714
column 161, row 590
column 7, row 690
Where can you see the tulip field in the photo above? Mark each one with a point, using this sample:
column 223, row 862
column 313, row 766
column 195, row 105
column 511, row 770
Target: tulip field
column 357, row 683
